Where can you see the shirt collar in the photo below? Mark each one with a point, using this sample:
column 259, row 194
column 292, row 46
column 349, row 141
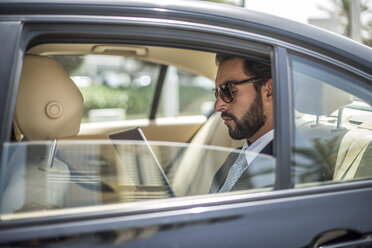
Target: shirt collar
column 261, row 141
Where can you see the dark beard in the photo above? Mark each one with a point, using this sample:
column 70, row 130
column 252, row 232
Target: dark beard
column 251, row 122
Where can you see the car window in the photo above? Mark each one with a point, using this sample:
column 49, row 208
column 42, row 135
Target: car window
column 122, row 88
column 333, row 119
column 86, row 174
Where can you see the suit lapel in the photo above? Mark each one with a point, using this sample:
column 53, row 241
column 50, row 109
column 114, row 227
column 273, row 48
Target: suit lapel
column 268, row 149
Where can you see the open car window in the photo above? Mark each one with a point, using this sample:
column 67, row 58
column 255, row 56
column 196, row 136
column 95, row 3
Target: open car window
column 50, row 166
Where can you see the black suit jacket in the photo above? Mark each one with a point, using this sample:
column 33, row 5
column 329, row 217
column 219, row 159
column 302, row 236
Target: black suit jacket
column 259, row 174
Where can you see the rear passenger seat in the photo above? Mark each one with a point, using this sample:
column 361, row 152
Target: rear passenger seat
column 354, row 159
column 344, row 147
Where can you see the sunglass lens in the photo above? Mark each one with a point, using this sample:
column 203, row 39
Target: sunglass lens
column 223, row 92
column 216, row 92
column 226, row 94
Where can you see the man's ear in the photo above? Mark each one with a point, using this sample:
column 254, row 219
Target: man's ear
column 268, row 89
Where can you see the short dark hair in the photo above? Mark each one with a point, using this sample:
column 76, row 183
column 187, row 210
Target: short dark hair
column 253, row 68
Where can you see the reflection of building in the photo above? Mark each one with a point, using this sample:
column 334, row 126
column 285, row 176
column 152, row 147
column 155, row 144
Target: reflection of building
column 333, row 24
column 334, row 16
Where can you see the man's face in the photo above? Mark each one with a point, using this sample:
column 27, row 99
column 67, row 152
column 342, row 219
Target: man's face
column 244, row 116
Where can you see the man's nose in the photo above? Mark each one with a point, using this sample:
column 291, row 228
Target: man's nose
column 220, row 106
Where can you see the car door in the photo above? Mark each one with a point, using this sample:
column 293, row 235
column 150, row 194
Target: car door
column 311, row 87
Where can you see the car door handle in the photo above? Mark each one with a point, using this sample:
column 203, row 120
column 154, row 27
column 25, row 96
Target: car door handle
column 365, row 241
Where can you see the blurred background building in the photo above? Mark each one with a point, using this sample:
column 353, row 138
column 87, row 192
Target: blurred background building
column 352, row 18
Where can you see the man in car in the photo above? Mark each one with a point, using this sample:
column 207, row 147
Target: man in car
column 244, row 96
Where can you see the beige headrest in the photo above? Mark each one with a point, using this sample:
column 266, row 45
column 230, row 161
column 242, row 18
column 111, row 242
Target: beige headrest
column 315, row 97
column 49, row 104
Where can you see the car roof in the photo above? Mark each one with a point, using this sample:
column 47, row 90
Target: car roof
column 230, row 16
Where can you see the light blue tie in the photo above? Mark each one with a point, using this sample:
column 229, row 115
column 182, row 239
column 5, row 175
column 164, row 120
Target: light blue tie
column 235, row 172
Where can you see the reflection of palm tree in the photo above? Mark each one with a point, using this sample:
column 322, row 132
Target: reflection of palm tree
column 320, row 161
column 329, row 150
column 314, row 169
column 342, row 13
column 262, row 172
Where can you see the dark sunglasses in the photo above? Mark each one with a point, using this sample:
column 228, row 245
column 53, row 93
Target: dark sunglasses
column 224, row 90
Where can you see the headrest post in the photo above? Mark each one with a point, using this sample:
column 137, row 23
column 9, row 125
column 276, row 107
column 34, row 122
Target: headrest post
column 51, row 153
column 339, row 117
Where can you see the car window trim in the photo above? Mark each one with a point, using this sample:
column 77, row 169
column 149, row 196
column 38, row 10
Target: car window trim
column 283, row 119
column 11, row 66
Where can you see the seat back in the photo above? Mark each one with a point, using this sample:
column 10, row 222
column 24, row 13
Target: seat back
column 48, row 107
column 314, row 97
column 354, row 159
column 341, row 148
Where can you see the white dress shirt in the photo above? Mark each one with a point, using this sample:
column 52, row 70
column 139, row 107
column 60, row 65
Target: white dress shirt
column 257, row 146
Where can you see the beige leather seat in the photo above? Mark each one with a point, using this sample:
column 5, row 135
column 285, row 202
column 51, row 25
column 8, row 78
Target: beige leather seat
column 342, row 149
column 48, row 107
column 314, row 97
column 355, row 154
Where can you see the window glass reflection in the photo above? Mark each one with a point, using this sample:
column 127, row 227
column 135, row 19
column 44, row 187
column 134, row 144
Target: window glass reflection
column 333, row 124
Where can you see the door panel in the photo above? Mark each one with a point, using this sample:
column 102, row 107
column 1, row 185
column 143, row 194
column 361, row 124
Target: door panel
column 292, row 218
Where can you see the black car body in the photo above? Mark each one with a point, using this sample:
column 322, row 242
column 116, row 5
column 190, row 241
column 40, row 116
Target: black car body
column 332, row 214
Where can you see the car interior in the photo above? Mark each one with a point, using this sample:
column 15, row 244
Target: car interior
column 333, row 124
column 332, row 119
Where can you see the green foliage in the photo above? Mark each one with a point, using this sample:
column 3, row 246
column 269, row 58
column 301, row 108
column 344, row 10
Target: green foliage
column 191, row 98
column 135, row 100
column 140, row 100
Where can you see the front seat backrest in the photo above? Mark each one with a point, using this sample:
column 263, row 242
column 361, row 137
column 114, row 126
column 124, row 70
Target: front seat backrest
column 48, row 107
